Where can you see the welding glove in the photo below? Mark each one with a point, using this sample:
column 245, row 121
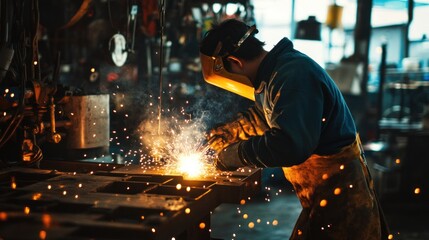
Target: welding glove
column 222, row 136
column 230, row 158
column 246, row 124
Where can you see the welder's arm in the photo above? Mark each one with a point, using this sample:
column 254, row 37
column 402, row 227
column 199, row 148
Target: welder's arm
column 231, row 158
column 296, row 122
column 247, row 124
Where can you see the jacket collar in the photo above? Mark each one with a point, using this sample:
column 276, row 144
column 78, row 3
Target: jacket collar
column 269, row 62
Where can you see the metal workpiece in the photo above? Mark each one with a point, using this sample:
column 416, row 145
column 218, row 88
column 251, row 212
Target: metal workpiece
column 231, row 186
column 108, row 201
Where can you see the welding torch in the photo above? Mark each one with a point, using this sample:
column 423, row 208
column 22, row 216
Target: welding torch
column 225, row 155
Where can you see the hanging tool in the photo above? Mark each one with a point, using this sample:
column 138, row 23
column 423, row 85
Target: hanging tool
column 161, row 58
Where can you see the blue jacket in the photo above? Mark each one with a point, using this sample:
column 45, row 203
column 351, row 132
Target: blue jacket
column 304, row 111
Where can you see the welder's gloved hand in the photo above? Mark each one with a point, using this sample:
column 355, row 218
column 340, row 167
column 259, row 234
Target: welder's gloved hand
column 222, row 136
column 229, row 158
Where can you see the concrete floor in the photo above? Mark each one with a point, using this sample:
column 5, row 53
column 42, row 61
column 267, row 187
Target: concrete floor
column 272, row 214
column 271, row 219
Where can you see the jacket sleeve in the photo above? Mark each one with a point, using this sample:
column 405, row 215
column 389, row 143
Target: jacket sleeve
column 296, row 99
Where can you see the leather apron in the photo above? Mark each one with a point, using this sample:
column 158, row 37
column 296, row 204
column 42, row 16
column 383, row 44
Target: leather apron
column 337, row 196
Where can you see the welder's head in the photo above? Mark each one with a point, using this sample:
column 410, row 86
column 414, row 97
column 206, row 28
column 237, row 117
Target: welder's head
column 230, row 38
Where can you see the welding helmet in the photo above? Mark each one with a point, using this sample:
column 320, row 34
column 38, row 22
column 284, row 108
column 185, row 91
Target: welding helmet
column 215, row 73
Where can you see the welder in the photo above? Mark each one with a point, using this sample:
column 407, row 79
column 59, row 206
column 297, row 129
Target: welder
column 299, row 122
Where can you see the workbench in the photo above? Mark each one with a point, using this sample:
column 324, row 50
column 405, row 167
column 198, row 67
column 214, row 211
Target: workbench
column 81, row 200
